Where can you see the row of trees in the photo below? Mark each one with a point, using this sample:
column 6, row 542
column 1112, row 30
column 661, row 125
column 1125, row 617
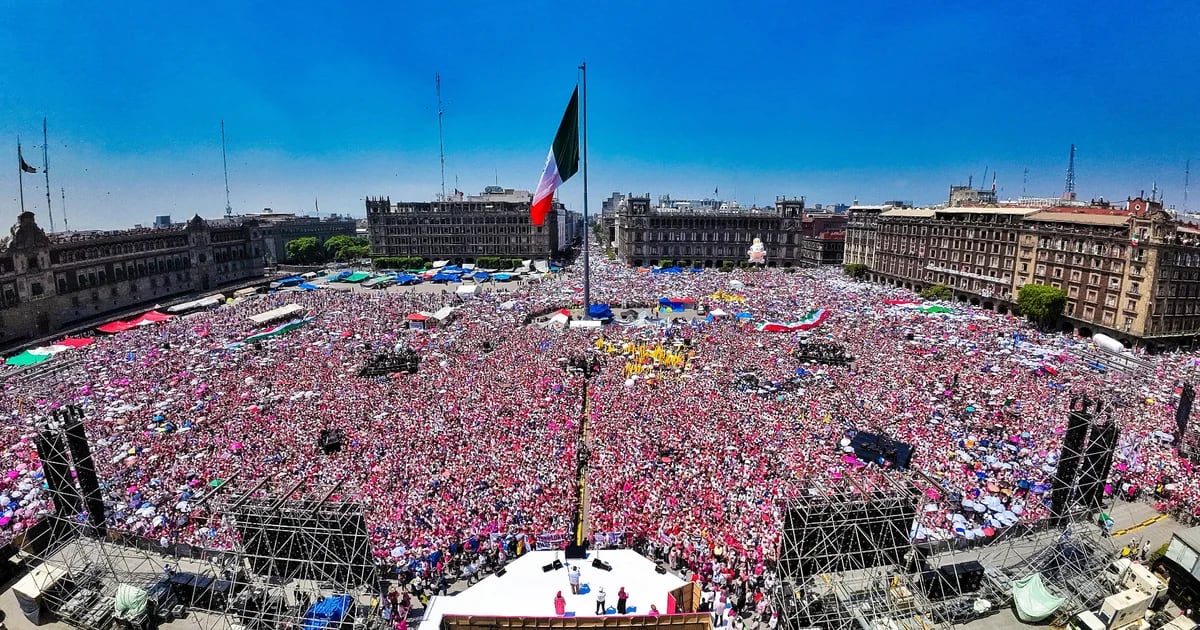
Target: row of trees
column 400, row 262
column 1039, row 303
column 310, row 249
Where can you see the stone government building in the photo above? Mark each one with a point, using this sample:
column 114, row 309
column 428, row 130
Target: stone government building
column 710, row 232
column 50, row 283
column 463, row 228
column 1131, row 272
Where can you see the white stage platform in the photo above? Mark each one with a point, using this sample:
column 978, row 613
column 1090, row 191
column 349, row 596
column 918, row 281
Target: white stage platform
column 527, row 591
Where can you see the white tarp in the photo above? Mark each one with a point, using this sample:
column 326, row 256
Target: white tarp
column 541, row 266
column 203, row 302
column 443, row 313
column 282, row 312
column 438, row 264
column 467, row 289
column 586, row 323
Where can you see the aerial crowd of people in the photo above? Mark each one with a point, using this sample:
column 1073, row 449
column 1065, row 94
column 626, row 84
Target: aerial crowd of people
column 473, row 458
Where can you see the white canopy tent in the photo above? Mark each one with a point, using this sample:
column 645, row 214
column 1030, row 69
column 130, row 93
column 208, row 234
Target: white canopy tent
column 283, row 312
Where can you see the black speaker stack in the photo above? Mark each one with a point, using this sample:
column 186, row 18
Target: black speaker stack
column 1084, row 463
column 65, row 426
column 597, row 563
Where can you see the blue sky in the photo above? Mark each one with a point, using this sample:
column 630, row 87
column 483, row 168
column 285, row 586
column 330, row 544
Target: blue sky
column 871, row 101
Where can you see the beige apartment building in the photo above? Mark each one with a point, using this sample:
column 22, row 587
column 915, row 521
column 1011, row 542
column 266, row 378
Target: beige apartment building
column 1131, row 272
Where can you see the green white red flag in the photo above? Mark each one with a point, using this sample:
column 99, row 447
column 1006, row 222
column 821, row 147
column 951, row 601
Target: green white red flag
column 561, row 163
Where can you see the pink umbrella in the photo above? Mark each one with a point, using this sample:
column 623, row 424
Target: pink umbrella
column 236, row 446
column 13, row 474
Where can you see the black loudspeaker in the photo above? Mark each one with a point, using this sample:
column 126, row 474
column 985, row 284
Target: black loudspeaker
column 501, row 571
column 602, row 565
column 576, row 552
column 558, row 565
column 546, row 568
column 1184, row 412
column 1097, row 463
column 908, row 337
column 85, row 472
column 58, row 474
column 660, row 569
column 962, row 578
column 1069, row 460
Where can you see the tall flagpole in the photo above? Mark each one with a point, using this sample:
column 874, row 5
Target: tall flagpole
column 587, row 267
column 21, row 174
column 46, row 171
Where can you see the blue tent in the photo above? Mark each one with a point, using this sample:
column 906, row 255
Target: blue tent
column 444, row 277
column 744, row 315
column 669, row 270
column 290, row 281
column 696, row 269
column 481, row 275
column 407, row 278
column 502, row 277
column 600, row 311
column 327, row 612
column 308, row 286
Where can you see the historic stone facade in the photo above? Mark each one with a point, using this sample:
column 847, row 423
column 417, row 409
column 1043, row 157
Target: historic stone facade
column 53, row 282
column 462, row 228
column 278, row 228
column 707, row 236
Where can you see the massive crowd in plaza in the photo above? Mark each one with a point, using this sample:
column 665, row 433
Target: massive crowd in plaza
column 478, row 449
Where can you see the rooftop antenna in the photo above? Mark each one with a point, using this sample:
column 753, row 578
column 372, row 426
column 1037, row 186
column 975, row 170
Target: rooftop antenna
column 1187, row 172
column 46, row 171
column 985, row 170
column 1025, row 182
column 66, row 227
column 437, row 78
column 1069, row 189
column 225, row 165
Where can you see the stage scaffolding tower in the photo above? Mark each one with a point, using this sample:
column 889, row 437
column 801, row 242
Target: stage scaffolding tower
column 846, row 560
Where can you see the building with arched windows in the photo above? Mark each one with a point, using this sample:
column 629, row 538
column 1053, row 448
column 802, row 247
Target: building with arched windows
column 52, row 282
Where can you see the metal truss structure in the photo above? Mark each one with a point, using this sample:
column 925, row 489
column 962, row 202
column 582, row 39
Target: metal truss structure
column 296, row 546
column 299, row 551
column 846, row 559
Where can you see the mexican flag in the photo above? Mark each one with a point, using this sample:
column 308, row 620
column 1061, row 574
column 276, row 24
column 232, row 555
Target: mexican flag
column 811, row 320
column 561, row 163
column 278, row 330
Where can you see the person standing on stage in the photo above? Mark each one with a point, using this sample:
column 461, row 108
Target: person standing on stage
column 601, row 604
column 560, row 604
column 622, row 596
column 573, row 578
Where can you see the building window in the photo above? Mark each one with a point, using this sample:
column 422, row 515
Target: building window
column 36, row 288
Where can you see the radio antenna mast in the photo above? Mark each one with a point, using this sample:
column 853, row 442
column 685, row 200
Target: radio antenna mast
column 225, row 165
column 437, row 77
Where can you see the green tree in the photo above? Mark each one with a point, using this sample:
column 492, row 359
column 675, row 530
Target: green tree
column 1040, row 303
column 305, row 250
column 354, row 252
column 345, row 247
column 856, row 270
column 937, row 292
